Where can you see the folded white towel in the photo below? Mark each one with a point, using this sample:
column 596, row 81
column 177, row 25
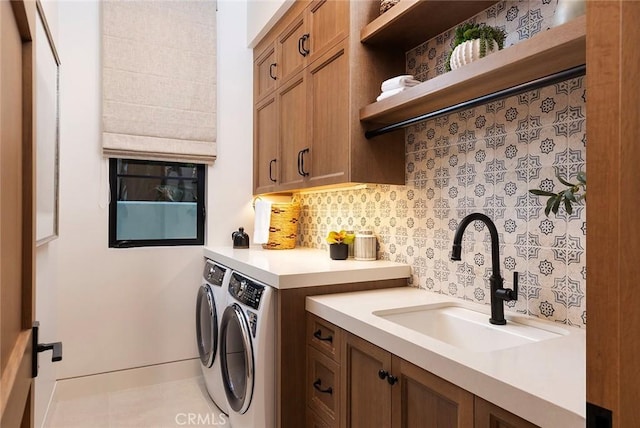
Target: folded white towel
column 404, row 81
column 262, row 221
column 387, row 94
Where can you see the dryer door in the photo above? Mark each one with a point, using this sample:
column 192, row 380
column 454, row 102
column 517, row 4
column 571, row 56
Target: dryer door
column 206, row 325
column 236, row 358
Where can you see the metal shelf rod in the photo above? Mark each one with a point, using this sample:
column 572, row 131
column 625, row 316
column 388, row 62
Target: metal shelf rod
column 484, row 99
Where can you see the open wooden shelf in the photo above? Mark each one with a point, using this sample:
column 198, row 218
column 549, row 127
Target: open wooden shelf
column 411, row 22
column 552, row 51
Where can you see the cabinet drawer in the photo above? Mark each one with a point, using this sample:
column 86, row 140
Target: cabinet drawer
column 323, row 385
column 315, row 421
column 488, row 415
column 323, row 336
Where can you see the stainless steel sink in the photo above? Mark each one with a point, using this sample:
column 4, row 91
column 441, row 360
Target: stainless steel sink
column 468, row 329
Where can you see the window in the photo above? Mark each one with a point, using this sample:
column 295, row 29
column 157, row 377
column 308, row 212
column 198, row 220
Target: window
column 155, row 203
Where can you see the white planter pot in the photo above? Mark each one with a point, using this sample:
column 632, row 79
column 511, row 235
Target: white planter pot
column 467, row 52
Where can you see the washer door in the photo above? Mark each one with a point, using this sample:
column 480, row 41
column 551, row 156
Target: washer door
column 236, row 358
column 206, row 325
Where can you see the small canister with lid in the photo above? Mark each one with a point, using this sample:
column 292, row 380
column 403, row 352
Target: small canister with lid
column 365, row 246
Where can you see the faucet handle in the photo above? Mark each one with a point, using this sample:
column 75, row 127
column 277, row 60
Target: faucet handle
column 507, row 294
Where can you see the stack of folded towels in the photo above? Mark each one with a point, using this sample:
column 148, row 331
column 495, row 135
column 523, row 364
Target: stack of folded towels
column 395, row 85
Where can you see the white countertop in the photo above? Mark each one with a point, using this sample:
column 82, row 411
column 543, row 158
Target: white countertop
column 303, row 267
column 542, row 382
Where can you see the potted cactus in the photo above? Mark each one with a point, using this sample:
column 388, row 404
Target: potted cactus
column 472, row 42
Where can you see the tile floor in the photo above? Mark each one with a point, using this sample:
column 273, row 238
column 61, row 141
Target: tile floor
column 177, row 403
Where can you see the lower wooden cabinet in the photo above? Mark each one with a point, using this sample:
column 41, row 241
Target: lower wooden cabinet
column 489, row 415
column 370, row 387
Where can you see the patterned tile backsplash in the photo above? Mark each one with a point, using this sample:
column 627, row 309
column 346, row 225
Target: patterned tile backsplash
column 480, row 160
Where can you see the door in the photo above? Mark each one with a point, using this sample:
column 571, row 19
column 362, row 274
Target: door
column 265, row 146
column 292, row 103
column 328, row 22
column 236, row 358
column 422, row 399
column 17, row 300
column 265, row 70
column 292, row 49
column 206, row 325
column 367, row 397
column 328, row 117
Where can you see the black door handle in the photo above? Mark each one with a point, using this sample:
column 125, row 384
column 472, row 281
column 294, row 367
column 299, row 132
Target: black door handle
column 318, row 335
column 271, row 170
column 271, row 67
column 56, row 347
column 301, row 170
column 305, row 51
column 317, row 384
column 300, row 51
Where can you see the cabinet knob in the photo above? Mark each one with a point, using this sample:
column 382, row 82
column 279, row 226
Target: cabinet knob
column 382, row 374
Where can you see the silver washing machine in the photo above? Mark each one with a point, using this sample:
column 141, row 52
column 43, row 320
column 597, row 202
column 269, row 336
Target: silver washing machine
column 210, row 304
column 247, row 352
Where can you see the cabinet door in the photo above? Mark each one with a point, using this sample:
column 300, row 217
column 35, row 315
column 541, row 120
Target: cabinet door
column 265, row 72
column 265, row 143
column 367, row 397
column 489, row 415
column 328, row 23
column 292, row 107
column 328, row 104
column 292, row 57
column 422, row 399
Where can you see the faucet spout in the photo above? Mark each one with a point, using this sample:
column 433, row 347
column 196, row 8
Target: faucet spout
column 498, row 293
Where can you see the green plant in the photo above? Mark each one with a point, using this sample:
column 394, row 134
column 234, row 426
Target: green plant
column 341, row 237
column 566, row 197
column 470, row 31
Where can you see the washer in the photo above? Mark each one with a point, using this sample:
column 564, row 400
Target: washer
column 247, row 352
column 210, row 303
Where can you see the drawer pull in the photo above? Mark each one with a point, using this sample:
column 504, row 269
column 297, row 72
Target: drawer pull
column 318, row 335
column 318, row 388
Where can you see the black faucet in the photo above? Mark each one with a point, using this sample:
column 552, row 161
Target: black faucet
column 499, row 294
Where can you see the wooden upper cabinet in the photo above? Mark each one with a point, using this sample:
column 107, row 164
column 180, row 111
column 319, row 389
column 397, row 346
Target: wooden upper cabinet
column 292, row 130
column 265, row 72
column 323, row 75
column 328, row 23
column 367, row 396
column 328, row 117
column 265, row 145
column 292, row 46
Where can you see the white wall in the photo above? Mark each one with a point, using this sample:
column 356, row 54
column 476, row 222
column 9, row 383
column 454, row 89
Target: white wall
column 262, row 15
column 123, row 308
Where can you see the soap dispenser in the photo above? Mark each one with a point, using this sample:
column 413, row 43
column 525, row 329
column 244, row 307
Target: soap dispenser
column 240, row 239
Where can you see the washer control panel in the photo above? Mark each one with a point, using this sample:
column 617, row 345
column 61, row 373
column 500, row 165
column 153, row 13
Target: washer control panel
column 213, row 273
column 245, row 290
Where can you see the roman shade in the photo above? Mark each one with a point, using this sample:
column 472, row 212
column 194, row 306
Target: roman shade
column 159, row 80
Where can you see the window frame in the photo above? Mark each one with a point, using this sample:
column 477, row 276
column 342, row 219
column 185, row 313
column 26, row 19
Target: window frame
column 133, row 243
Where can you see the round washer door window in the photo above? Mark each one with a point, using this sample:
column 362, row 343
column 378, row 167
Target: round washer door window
column 206, row 326
column 236, row 358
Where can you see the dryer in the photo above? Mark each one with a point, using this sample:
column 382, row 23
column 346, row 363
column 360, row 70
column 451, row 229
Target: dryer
column 247, row 352
column 210, row 304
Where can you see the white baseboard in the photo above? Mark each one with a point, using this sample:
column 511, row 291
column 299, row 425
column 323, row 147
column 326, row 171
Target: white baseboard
column 69, row 389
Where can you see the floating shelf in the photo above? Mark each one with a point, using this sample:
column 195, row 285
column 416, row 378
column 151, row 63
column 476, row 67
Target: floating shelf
column 411, row 22
column 552, row 51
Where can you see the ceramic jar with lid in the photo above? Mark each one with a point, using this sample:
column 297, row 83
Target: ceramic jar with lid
column 365, row 246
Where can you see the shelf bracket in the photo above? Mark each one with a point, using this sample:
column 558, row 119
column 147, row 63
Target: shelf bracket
column 475, row 102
